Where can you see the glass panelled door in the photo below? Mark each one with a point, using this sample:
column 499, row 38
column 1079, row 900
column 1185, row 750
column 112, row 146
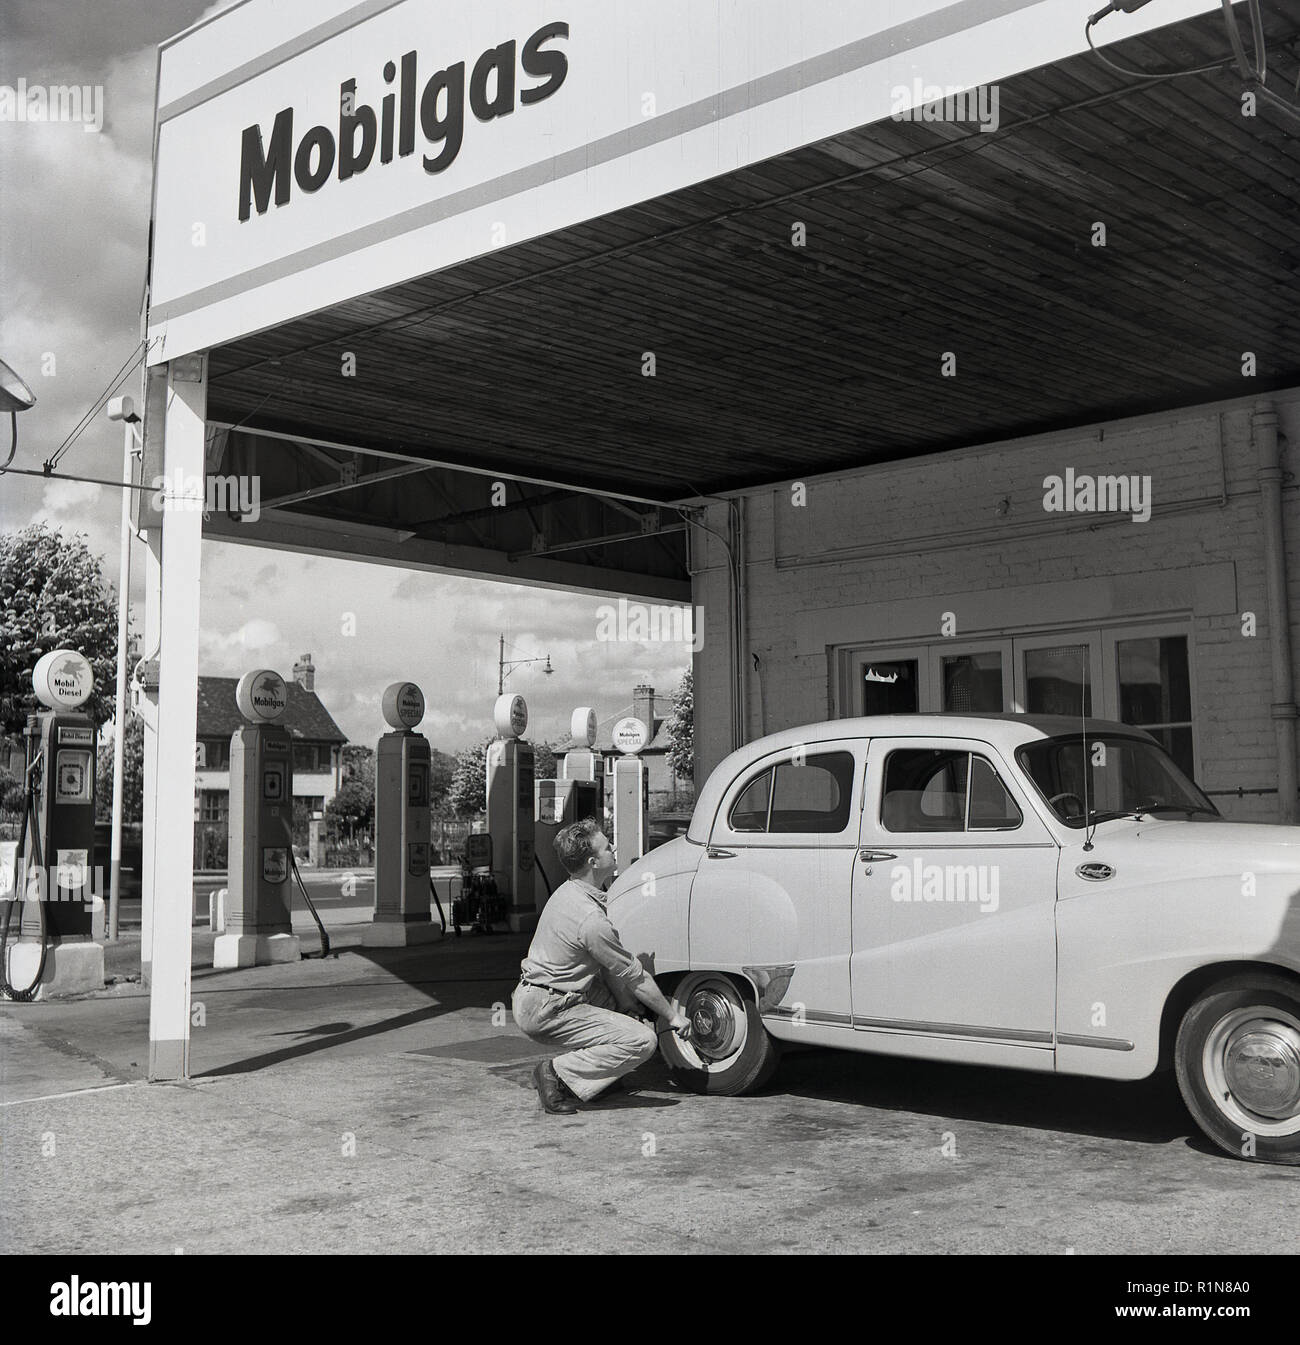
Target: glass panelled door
column 1059, row 675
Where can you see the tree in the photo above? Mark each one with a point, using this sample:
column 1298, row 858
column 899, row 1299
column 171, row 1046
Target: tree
column 352, row 808
column 132, row 774
column 468, row 792
column 544, row 762
column 681, row 729
column 358, row 762
column 53, row 595
column 442, row 766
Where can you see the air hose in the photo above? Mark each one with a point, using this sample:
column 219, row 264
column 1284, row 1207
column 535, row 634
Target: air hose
column 433, row 892
column 20, row 888
column 302, row 887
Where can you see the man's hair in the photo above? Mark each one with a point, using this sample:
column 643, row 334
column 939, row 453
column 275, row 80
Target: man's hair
column 575, row 844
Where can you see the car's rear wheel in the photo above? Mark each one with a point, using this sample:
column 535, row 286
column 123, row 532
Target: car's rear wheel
column 729, row 1051
column 1238, row 1065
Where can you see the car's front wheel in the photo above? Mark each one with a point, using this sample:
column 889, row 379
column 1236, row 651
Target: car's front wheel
column 729, row 1051
column 1238, row 1065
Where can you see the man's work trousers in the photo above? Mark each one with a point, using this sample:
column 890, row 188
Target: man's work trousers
column 608, row 1044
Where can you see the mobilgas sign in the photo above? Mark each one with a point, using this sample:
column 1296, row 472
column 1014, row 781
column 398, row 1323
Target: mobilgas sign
column 271, row 169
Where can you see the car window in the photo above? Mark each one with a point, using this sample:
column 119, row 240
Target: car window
column 812, row 796
column 749, row 812
column 944, row 790
column 991, row 807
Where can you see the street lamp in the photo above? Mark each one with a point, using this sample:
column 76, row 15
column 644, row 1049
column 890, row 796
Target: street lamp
column 15, row 396
column 121, row 409
column 504, row 668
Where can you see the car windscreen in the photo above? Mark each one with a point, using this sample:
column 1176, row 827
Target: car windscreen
column 1091, row 777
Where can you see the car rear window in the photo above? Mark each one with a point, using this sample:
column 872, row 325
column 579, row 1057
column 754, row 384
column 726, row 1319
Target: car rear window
column 807, row 796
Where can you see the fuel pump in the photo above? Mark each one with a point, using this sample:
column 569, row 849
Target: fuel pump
column 510, row 811
column 402, row 763
column 480, row 905
column 259, row 926
column 53, row 886
column 631, row 791
column 574, row 795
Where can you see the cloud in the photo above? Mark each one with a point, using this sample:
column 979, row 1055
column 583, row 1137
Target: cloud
column 69, row 497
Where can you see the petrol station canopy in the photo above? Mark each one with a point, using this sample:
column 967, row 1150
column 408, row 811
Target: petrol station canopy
column 622, row 257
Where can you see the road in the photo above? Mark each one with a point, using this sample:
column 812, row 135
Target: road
column 330, row 890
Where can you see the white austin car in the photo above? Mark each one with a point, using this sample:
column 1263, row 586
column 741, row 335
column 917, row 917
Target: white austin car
column 1024, row 891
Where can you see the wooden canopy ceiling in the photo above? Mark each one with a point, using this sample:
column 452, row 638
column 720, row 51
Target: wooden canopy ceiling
column 774, row 361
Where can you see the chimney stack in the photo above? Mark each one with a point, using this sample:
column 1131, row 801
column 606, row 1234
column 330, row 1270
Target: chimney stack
column 643, row 706
column 304, row 673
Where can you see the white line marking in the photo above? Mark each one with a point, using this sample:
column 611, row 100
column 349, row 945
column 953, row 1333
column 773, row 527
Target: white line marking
column 76, row 1092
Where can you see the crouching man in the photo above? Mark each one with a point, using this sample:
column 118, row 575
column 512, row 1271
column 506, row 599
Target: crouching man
column 578, row 975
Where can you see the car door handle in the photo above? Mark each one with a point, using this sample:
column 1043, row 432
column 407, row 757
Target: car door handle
column 715, row 853
column 871, row 856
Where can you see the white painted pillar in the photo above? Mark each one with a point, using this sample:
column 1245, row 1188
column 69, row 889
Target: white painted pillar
column 148, row 710
column 169, row 997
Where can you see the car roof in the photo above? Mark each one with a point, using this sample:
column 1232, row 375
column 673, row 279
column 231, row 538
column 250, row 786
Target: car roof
column 1006, row 730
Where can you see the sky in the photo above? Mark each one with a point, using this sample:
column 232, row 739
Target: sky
column 74, row 218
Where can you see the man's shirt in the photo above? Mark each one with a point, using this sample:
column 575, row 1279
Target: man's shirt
column 575, row 944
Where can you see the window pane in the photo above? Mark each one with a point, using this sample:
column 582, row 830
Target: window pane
column 1178, row 743
column 814, row 797
column 890, row 688
column 973, row 682
column 925, row 790
column 749, row 812
column 1055, row 681
column 991, row 807
column 1154, row 684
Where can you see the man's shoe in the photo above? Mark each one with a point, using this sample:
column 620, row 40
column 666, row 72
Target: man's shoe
column 555, row 1097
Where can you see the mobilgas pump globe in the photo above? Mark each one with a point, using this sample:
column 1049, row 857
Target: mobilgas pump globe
column 258, row 921
column 402, row 767
column 55, row 953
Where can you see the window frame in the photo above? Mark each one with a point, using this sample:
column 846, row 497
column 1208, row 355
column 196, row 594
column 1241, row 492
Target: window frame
column 1103, row 669
column 955, row 750
column 723, row 835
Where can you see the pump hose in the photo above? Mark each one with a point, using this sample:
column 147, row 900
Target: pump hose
column 20, row 886
column 433, row 892
column 302, row 887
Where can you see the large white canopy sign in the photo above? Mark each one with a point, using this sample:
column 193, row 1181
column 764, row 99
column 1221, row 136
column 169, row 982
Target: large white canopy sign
column 310, row 151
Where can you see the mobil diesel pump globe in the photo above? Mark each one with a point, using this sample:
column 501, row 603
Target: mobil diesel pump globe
column 402, row 705
column 630, row 735
column 261, row 696
column 582, row 727
column 62, row 679
column 510, row 716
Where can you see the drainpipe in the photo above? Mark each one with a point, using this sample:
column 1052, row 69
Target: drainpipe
column 742, row 623
column 1283, row 709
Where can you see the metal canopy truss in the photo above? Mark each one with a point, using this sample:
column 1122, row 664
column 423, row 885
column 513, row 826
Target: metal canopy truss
column 433, row 516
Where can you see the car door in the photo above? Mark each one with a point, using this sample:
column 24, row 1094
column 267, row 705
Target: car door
column 954, row 892
column 772, row 896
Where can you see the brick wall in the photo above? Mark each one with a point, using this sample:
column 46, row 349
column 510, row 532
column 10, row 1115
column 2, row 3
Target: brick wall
column 887, row 554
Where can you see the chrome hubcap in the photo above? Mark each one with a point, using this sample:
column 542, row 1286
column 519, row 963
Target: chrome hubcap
column 713, row 1023
column 1262, row 1066
column 1252, row 1068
